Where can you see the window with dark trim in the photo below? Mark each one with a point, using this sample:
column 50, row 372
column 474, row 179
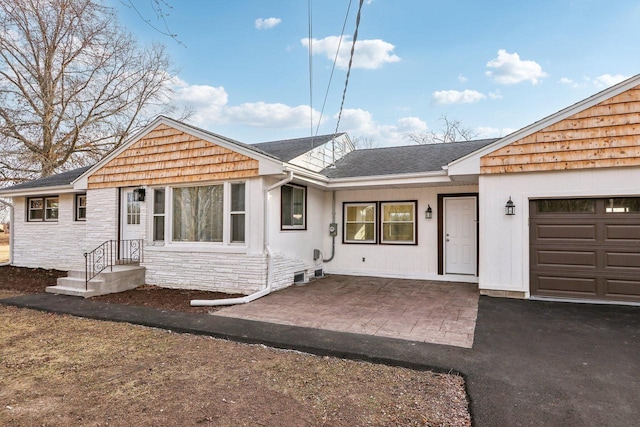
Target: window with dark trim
column 42, row 209
column 81, row 207
column 398, row 223
column 360, row 222
column 293, row 206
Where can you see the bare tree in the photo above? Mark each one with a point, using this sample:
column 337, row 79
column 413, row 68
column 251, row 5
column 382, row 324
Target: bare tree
column 452, row 130
column 363, row 142
column 73, row 85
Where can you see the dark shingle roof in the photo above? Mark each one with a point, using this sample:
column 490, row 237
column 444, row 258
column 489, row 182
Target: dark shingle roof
column 289, row 149
column 405, row 159
column 64, row 178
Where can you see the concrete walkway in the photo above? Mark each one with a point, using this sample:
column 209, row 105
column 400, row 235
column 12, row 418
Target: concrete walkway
column 532, row 363
column 415, row 310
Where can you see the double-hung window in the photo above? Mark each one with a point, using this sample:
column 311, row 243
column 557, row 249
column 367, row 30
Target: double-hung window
column 158, row 214
column 398, row 223
column 81, row 207
column 237, row 212
column 293, row 204
column 42, row 209
column 360, row 223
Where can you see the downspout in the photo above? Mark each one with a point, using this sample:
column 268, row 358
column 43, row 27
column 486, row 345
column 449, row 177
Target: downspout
column 10, row 206
column 268, row 288
column 333, row 221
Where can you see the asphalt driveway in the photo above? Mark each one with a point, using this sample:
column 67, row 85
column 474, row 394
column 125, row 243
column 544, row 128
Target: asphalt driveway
column 532, row 363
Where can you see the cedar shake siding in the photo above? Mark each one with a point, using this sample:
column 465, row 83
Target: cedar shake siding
column 604, row 135
column 169, row 156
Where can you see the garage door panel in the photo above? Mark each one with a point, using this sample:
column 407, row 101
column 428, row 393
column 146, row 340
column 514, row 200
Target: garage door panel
column 573, row 285
column 585, row 259
column 623, row 260
column 624, row 232
column 616, row 287
column 566, row 231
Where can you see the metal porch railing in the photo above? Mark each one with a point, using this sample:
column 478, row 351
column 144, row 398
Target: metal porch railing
column 110, row 253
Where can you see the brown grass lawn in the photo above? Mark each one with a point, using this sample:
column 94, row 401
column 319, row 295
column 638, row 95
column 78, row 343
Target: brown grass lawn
column 4, row 247
column 59, row 370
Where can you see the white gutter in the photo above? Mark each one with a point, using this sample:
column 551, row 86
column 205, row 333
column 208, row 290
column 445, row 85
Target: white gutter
column 38, row 191
column 268, row 288
column 10, row 206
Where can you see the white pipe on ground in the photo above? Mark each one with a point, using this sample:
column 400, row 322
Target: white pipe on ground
column 10, row 206
column 268, row 288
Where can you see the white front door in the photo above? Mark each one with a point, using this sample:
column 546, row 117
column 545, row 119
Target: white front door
column 460, row 238
column 131, row 227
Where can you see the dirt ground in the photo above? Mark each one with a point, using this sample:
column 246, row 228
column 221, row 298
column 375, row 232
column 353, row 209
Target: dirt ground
column 60, row 370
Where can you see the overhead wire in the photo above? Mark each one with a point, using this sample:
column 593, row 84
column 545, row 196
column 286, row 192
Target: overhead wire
column 333, row 68
column 310, row 17
column 346, row 83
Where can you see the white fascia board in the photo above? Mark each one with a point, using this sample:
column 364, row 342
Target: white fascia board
column 470, row 164
column 266, row 163
column 436, row 177
column 39, row 191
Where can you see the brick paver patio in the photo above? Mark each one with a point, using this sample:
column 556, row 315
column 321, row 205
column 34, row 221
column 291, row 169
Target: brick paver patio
column 415, row 310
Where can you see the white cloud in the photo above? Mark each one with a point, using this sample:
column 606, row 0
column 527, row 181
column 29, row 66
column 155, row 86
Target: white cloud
column 508, row 69
column 266, row 23
column 358, row 122
column 490, row 132
column 457, row 97
column 411, row 125
column 210, row 108
column 262, row 114
column 495, row 95
column 607, row 80
column 369, row 54
column 462, row 79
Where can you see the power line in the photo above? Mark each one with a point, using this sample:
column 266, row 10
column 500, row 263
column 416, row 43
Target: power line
column 310, row 16
column 335, row 60
column 353, row 48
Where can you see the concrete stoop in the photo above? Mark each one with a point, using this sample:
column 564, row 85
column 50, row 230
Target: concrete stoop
column 122, row 278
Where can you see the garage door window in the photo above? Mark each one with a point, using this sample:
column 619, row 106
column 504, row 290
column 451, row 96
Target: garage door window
column 566, row 206
column 623, row 205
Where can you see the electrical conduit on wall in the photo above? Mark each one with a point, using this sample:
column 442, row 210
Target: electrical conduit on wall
column 267, row 250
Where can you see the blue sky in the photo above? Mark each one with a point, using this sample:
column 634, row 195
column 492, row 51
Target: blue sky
column 495, row 66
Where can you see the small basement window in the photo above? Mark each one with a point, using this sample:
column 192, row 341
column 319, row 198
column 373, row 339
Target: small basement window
column 298, row 277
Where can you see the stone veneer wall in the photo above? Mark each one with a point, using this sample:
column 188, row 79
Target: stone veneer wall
column 218, row 272
column 102, row 216
column 49, row 244
column 207, row 271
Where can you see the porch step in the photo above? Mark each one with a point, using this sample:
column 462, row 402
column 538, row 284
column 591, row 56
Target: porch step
column 122, row 278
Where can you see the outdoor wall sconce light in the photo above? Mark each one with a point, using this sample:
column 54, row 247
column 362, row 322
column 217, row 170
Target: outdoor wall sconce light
column 138, row 194
column 510, row 207
column 428, row 214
